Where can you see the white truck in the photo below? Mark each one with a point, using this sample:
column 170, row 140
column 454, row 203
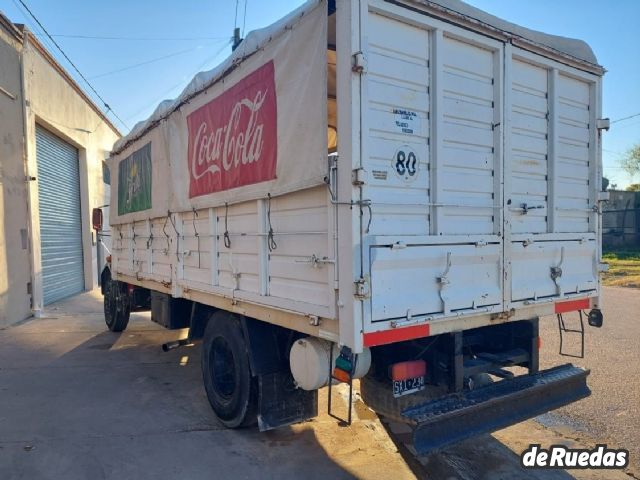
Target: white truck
column 386, row 190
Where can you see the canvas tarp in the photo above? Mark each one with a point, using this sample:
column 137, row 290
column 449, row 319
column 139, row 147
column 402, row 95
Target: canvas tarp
column 259, row 130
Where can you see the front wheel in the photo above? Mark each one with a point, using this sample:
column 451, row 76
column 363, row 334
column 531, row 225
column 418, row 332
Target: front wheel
column 117, row 305
column 231, row 390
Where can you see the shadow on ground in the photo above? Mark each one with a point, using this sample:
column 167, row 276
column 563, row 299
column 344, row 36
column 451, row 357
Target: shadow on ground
column 81, row 402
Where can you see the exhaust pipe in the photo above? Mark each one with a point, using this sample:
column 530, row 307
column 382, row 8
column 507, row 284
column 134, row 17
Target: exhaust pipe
column 175, row 344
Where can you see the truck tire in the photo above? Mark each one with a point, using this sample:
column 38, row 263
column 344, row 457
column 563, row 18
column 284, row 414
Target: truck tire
column 378, row 396
column 117, row 306
column 231, row 390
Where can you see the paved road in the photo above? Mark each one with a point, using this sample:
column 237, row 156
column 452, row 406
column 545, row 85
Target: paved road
column 79, row 402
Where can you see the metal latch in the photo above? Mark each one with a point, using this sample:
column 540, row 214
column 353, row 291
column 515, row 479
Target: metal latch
column 525, row 208
column 359, row 62
column 556, row 272
column 443, row 279
column 361, row 288
column 316, row 261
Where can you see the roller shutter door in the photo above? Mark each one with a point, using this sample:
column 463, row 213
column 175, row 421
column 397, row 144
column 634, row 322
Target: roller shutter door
column 60, row 217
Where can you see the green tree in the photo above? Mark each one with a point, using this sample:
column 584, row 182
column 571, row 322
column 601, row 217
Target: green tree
column 605, row 184
column 634, row 187
column 630, row 163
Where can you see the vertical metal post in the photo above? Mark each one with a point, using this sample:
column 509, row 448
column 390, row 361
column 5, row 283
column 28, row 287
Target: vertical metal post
column 330, row 378
column 534, row 361
column 457, row 363
column 552, row 149
column 437, row 127
column 98, row 254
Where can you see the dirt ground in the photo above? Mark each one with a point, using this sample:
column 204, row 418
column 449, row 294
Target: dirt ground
column 77, row 401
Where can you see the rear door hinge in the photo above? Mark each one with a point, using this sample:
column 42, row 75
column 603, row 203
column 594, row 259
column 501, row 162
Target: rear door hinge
column 358, row 176
column 362, row 290
column 603, row 124
column 359, row 62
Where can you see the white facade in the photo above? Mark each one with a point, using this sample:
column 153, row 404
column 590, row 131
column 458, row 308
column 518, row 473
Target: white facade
column 37, row 93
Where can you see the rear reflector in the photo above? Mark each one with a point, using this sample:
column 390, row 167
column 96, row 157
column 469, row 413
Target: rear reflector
column 572, row 306
column 341, row 375
column 406, row 370
column 384, row 337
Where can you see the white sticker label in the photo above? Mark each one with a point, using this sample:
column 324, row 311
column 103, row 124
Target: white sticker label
column 406, row 121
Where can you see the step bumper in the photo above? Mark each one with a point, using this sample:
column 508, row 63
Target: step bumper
column 457, row 417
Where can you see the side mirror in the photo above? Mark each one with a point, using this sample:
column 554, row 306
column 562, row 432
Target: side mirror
column 97, row 219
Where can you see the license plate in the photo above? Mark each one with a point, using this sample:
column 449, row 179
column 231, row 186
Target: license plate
column 405, row 387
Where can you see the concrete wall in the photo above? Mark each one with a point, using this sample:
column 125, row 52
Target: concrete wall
column 49, row 98
column 15, row 275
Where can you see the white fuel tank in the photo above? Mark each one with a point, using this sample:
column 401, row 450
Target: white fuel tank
column 309, row 362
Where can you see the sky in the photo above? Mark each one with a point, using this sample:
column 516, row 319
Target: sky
column 148, row 51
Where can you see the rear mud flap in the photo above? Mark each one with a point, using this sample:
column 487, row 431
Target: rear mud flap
column 280, row 403
column 457, row 417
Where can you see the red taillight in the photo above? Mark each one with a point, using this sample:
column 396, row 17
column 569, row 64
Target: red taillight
column 97, row 219
column 539, row 343
column 405, row 370
column 108, row 258
column 341, row 375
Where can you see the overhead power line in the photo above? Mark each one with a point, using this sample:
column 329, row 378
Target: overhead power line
column 106, row 105
column 146, row 62
column 625, row 118
column 154, row 39
column 244, row 20
column 166, row 92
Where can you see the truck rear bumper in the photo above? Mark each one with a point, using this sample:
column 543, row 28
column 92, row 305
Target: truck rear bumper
column 462, row 415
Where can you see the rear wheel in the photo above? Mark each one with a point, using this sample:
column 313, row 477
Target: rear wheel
column 117, row 305
column 231, row 390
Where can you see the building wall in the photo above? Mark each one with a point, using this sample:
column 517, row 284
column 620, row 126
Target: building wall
column 55, row 104
column 15, row 276
column 47, row 97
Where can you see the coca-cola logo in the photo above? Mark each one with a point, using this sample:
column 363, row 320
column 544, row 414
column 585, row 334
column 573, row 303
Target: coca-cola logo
column 233, row 138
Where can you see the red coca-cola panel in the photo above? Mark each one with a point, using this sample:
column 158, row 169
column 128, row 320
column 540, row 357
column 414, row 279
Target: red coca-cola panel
column 233, row 139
